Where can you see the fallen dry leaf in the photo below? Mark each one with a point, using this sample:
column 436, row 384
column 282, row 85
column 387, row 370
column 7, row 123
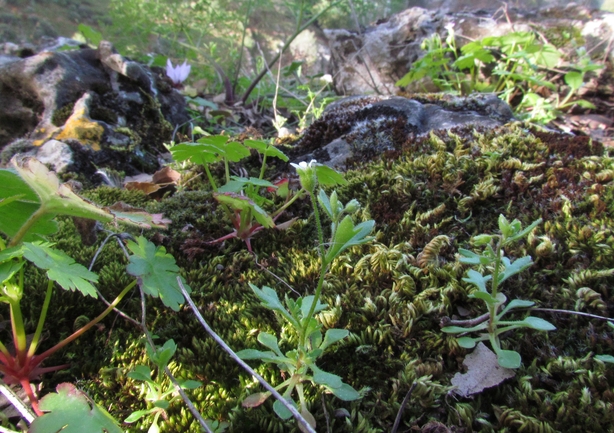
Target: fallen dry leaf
column 483, row 371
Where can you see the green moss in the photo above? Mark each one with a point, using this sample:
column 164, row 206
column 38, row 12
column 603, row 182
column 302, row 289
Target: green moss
column 390, row 294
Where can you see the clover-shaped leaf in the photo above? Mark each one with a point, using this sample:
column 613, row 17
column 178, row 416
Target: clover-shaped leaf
column 71, row 411
column 156, row 271
column 61, row 268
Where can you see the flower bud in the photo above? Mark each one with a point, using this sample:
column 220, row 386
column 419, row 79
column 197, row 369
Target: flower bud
column 307, row 174
column 352, row 206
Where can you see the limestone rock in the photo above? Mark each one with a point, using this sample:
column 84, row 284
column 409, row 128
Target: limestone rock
column 372, row 62
column 362, row 127
column 108, row 110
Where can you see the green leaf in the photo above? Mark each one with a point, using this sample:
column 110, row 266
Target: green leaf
column 323, row 378
column 137, row 415
column 329, row 177
column 467, row 342
column 156, row 271
column 469, row 257
column 164, row 354
column 574, row 79
column 514, row 268
column 477, row 279
column 190, row 384
column 255, row 400
column 516, row 303
column 605, row 358
column 238, row 183
column 93, row 36
column 345, row 392
column 509, row 358
column 461, row 329
column 281, row 410
column 268, row 356
column 197, row 153
column 306, row 305
column 266, row 149
column 9, row 268
column 486, row 297
column 269, row 341
column 533, row 323
column 325, row 203
column 269, row 299
column 61, row 268
column 242, row 204
column 71, row 411
column 332, row 336
column 348, row 235
column 140, row 372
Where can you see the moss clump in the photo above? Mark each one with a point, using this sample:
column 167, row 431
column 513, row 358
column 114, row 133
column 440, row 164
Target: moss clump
column 392, row 294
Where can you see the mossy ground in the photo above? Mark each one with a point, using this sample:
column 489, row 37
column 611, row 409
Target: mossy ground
column 428, row 199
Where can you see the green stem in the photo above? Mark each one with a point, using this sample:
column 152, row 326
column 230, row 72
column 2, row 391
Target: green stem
column 19, row 333
column 226, row 170
column 27, row 226
column 210, row 177
column 316, row 214
column 263, row 168
column 41, row 321
column 288, row 203
column 84, row 329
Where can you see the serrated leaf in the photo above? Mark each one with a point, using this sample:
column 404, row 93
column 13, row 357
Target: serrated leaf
column 196, row 152
column 329, row 177
column 71, row 411
column 515, row 267
column 61, row 268
column 269, row 299
column 156, row 271
column 266, row 149
column 347, row 235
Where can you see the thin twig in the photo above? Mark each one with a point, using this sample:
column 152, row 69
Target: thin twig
column 468, row 322
column 246, row 367
column 10, row 395
column 326, row 417
column 178, row 388
column 281, row 280
column 577, row 313
column 397, row 421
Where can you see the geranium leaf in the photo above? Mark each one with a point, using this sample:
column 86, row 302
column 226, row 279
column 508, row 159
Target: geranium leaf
column 61, row 268
column 157, row 272
column 71, row 411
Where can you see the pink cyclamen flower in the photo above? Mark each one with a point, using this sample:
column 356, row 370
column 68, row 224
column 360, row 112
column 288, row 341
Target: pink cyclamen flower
column 178, row 73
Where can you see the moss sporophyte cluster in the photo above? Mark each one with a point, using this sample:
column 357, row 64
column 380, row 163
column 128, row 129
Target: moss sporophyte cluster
column 358, row 316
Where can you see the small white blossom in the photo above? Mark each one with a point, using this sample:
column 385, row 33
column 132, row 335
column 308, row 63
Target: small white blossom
column 179, row 73
column 307, row 174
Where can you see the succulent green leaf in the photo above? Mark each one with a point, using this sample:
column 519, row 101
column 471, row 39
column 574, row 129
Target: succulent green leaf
column 71, row 411
column 467, row 342
column 61, row 268
column 164, row 354
column 329, row 177
column 533, row 323
column 477, row 279
column 332, row 336
column 509, row 359
column 156, row 271
column 605, row 358
column 327, row 379
column 486, row 297
column 461, row 329
column 281, row 410
column 516, row 303
column 519, row 234
column 306, row 305
column 162, row 404
column 345, row 392
column 268, row 356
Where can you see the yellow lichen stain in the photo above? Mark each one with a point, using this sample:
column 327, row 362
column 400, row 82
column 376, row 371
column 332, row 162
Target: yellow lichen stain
column 82, row 129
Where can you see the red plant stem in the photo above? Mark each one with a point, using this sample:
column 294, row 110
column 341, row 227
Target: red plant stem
column 39, row 358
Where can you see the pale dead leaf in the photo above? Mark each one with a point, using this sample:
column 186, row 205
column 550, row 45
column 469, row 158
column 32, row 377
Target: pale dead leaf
column 483, row 371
